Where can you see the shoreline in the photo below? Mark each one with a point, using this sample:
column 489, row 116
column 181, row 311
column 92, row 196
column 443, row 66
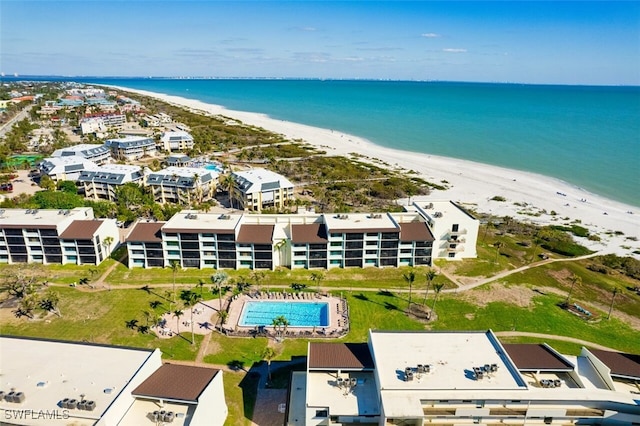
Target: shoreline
column 470, row 184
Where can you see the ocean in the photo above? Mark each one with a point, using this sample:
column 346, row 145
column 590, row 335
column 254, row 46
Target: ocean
column 588, row 136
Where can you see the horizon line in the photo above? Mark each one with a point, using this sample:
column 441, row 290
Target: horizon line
column 58, row 76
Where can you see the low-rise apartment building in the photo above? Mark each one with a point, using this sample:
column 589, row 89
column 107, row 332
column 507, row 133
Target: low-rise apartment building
column 131, row 147
column 56, row 383
column 65, row 168
column 462, row 378
column 238, row 241
column 176, row 140
column 182, row 184
column 55, row 236
column 102, row 184
column 259, row 189
column 99, row 154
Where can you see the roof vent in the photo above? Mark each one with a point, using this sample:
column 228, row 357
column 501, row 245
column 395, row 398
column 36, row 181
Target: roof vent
column 437, row 214
column 224, row 217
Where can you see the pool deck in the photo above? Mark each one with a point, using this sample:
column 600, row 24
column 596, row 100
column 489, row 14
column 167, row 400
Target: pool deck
column 338, row 315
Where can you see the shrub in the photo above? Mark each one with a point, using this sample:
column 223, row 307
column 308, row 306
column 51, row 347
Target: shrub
column 498, row 198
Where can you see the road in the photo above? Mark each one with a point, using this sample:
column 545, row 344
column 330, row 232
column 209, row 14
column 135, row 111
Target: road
column 18, row 117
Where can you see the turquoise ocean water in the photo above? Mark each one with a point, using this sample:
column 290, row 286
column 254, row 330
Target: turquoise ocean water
column 587, row 136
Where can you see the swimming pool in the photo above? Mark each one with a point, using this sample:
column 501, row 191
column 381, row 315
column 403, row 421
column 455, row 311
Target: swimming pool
column 213, row 167
column 299, row 314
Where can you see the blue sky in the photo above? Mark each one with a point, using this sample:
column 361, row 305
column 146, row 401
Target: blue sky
column 506, row 41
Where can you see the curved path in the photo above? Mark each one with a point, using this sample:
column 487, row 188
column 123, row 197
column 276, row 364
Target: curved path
column 552, row 337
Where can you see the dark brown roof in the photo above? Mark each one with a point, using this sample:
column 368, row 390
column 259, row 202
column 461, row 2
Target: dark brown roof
column 312, row 233
column 340, row 355
column 199, row 230
column 415, row 231
column 176, row 382
column 81, row 230
column 529, row 357
column 146, row 232
column 621, row 364
column 257, row 234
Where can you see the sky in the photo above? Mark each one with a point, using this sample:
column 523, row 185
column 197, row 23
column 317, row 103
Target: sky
column 541, row 42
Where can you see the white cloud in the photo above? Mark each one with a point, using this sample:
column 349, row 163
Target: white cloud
column 430, row 35
column 449, row 50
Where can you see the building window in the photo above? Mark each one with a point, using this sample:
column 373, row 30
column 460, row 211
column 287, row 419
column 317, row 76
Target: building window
column 322, row 413
column 454, row 227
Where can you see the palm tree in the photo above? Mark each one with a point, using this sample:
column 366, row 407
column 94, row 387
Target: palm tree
column 317, row 277
column 268, row 354
column 190, row 299
column 257, row 277
column 410, row 277
column 280, row 324
column 436, row 288
column 281, row 247
column 574, row 280
column 201, row 285
column 107, row 244
column 50, row 302
column 489, row 225
column 174, row 265
column 218, row 279
column 222, row 316
column 498, row 245
column 177, row 314
column 430, row 276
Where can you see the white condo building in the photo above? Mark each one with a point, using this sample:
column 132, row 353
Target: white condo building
column 55, row 383
column 237, row 241
column 99, row 154
column 104, row 182
column 55, row 236
column 461, row 378
column 65, row 168
column 182, row 185
column 258, row 189
column 131, row 147
column 176, row 140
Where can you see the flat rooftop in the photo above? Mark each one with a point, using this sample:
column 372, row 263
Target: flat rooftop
column 48, row 371
column 194, row 221
column 360, row 222
column 451, row 355
column 362, row 399
column 40, row 218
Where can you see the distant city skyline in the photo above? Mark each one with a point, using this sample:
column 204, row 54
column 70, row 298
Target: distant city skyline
column 541, row 42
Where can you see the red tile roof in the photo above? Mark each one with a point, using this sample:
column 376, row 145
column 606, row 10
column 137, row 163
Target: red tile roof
column 176, row 382
column 312, row 233
column 81, row 230
column 146, row 232
column 340, row 355
column 256, row 234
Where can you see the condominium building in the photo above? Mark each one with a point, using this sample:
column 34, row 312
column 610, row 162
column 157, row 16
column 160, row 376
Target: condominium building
column 101, row 123
column 176, row 140
column 461, row 378
column 212, row 240
column 259, row 189
column 182, row 185
column 131, row 147
column 157, row 120
column 48, row 382
column 454, row 229
column 99, row 154
column 103, row 183
column 65, row 168
column 55, row 236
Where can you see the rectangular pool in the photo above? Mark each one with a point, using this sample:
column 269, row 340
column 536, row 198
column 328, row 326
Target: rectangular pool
column 299, row 314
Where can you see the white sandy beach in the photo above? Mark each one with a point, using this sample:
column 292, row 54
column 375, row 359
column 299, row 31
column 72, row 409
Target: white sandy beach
column 471, row 184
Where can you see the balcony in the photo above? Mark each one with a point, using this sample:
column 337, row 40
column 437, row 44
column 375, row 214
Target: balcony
column 456, row 240
column 458, row 232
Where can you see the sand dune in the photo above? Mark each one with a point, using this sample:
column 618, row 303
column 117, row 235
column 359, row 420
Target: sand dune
column 529, row 197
